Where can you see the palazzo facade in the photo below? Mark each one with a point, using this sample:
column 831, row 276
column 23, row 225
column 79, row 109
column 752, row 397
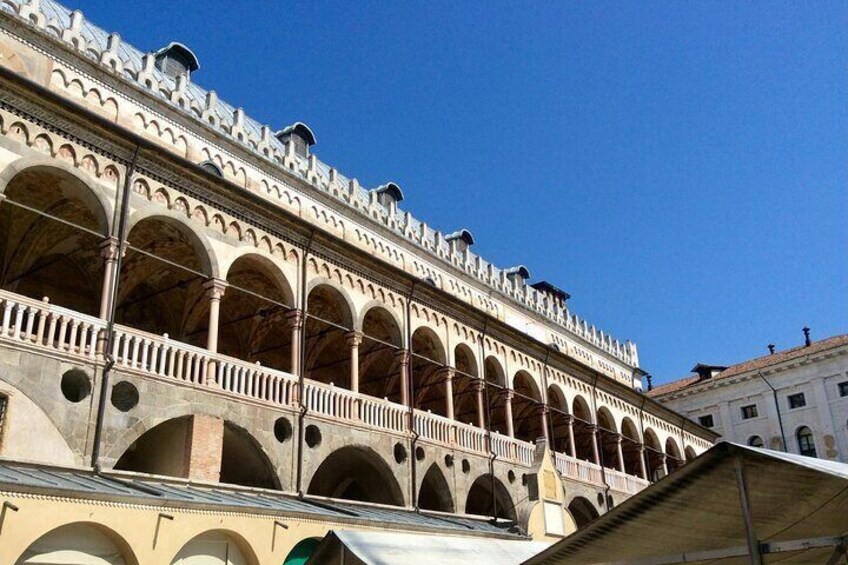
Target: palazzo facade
column 187, row 295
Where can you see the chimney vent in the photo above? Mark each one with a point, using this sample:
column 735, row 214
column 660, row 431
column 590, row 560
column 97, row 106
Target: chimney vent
column 176, row 59
column 771, row 348
column 650, row 381
column 807, row 341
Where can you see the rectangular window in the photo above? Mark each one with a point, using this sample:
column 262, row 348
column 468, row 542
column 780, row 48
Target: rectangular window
column 843, row 389
column 796, row 400
column 706, row 421
column 749, row 411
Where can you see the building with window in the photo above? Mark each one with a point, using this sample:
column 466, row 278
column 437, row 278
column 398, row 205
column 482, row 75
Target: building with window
column 795, row 399
column 211, row 341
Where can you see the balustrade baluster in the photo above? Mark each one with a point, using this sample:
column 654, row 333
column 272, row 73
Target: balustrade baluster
column 7, row 317
column 63, row 332
column 134, row 352
column 125, row 350
column 32, row 313
column 19, row 318
column 178, row 369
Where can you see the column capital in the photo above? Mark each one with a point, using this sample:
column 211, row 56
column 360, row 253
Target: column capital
column 447, row 373
column 354, row 338
column 109, row 249
column 215, row 288
column 402, row 357
column 294, row 319
column 543, row 409
column 507, row 394
column 478, row 385
column 569, row 419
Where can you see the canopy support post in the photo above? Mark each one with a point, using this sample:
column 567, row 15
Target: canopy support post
column 754, row 553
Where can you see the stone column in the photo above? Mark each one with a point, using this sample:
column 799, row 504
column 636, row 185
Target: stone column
column 618, row 440
column 354, row 339
column 448, row 373
column 480, row 388
column 572, row 447
column 643, row 469
column 109, row 252
column 295, row 322
column 508, row 396
column 215, row 291
column 664, row 464
column 543, row 416
column 403, row 368
column 596, row 456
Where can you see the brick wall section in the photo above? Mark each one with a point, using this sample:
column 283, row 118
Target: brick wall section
column 204, row 446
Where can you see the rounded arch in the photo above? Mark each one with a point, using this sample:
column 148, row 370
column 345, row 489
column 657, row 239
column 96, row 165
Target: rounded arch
column 605, row 420
column 690, row 454
column 526, row 405
column 267, row 266
column 95, row 195
column 674, row 459
column 340, row 297
column 464, row 360
column 631, row 447
column 302, row 551
column 582, row 510
column 356, row 473
column 559, row 419
column 464, row 381
column 55, row 258
column 329, row 321
column 435, row 493
column 86, row 543
column 755, row 441
column 493, row 372
column 584, row 429
column 489, row 497
column 164, row 447
column 200, row 244
column 253, row 323
column 581, row 410
column 427, row 343
column 607, row 438
column 428, row 361
column 382, row 340
column 216, row 547
column 806, row 441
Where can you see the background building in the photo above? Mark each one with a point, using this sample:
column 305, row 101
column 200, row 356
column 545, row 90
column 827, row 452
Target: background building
column 208, row 337
column 797, row 398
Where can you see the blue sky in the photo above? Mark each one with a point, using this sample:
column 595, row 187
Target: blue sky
column 679, row 168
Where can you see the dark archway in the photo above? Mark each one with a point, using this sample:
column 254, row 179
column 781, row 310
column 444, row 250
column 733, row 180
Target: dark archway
column 654, row 455
column 559, row 416
column 328, row 322
column 464, row 383
column 526, row 406
column 482, row 502
column 496, row 390
column 356, row 473
column 79, row 542
column 427, row 363
column 435, row 493
column 630, row 447
column 243, row 462
column 161, row 288
column 56, row 258
column 253, row 325
column 379, row 369
column 583, row 426
column 583, row 511
column 607, row 438
column 673, row 458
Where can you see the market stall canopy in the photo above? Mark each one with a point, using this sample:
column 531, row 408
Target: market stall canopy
column 797, row 508
column 390, row 548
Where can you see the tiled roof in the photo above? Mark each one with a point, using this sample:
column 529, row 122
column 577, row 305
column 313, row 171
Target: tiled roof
column 754, row 364
column 80, row 483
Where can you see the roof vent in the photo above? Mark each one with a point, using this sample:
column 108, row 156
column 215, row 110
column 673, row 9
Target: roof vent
column 707, row 371
column 300, row 134
column 771, row 348
column 557, row 295
column 807, row 341
column 460, row 240
column 518, row 275
column 176, row 59
column 388, row 194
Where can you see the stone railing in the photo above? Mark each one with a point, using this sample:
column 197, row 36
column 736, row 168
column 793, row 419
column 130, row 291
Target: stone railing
column 138, row 68
column 41, row 324
column 435, row 428
column 588, row 472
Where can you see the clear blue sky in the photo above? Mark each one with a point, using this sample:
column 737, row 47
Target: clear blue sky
column 679, row 168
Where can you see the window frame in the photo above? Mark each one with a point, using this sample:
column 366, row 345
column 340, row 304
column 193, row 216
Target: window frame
column 806, row 441
column 749, row 411
column 792, row 398
column 752, row 441
column 701, row 421
column 842, row 388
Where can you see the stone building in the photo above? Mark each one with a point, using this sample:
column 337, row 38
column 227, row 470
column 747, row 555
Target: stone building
column 794, row 400
column 211, row 339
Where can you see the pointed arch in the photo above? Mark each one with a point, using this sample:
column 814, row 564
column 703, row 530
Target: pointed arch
column 488, row 496
column 435, row 494
column 356, row 473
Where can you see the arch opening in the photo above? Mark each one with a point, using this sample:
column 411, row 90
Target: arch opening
column 253, row 324
column 55, row 258
column 379, row 364
column 654, row 456
column 673, row 458
column 464, row 385
column 607, row 438
column 527, row 408
column 496, row 391
column 80, row 543
column 583, row 511
column 584, row 435
column 216, row 547
column 161, row 288
column 329, row 321
column 428, row 363
column 631, row 447
column 435, row 493
column 559, row 420
column 489, row 497
column 806, row 442
column 356, row 473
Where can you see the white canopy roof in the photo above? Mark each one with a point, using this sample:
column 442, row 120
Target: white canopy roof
column 797, row 512
column 392, row 548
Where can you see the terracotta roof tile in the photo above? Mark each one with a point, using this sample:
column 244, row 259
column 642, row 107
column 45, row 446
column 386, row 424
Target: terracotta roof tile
column 753, row 364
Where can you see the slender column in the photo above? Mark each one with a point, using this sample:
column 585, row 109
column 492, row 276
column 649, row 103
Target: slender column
column 543, row 416
column 643, row 469
column 215, row 291
column 572, row 447
column 596, row 456
column 447, row 374
column 354, row 339
column 479, row 387
column 109, row 252
column 295, row 322
column 664, row 464
column 618, row 441
column 403, row 368
column 510, row 427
